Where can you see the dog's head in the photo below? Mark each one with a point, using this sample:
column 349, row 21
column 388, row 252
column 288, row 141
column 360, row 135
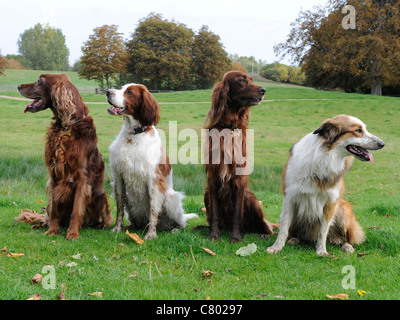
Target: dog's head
column 348, row 134
column 233, row 96
column 238, row 90
column 136, row 101
column 54, row 91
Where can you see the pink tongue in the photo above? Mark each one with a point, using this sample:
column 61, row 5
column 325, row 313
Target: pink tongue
column 371, row 158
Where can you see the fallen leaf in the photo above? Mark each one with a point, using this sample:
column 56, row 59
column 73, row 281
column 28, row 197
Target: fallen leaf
column 204, row 210
column 15, row 255
column 37, row 278
column 4, row 249
column 35, row 297
column 39, row 201
column 76, row 256
column 134, row 237
column 61, row 296
column 96, row 294
column 208, row 297
column 72, row 264
column 207, row 274
column 208, row 251
column 340, row 296
column 247, row 250
column 361, row 254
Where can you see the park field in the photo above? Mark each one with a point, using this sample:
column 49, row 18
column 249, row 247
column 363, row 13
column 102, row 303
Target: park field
column 171, row 267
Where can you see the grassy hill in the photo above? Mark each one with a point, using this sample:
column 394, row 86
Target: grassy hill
column 164, row 268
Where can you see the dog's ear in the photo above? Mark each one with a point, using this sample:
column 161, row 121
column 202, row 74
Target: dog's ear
column 63, row 101
column 329, row 131
column 149, row 110
column 219, row 101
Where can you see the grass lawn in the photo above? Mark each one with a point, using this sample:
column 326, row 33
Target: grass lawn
column 171, row 266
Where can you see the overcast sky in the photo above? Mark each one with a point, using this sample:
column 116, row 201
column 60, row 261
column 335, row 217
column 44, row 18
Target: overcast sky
column 246, row 28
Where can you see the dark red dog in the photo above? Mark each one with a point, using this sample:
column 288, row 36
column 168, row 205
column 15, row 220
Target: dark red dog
column 229, row 203
column 75, row 166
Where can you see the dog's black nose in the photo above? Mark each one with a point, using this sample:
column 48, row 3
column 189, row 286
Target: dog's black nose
column 262, row 90
column 381, row 144
column 19, row 87
column 108, row 93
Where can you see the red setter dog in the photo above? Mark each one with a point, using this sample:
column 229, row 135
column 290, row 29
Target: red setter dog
column 75, row 166
column 229, row 203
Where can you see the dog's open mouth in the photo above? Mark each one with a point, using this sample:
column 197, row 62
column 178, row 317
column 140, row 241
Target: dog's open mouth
column 35, row 106
column 116, row 111
column 360, row 153
column 253, row 101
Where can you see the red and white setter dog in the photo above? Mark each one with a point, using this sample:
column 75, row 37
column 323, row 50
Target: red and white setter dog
column 140, row 168
column 75, row 166
column 229, row 203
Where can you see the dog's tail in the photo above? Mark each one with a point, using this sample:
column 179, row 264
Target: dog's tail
column 31, row 217
column 173, row 206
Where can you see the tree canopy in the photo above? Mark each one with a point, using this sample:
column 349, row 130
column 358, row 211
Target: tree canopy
column 160, row 53
column 44, row 47
column 210, row 60
column 331, row 56
column 3, row 63
column 104, row 55
column 168, row 55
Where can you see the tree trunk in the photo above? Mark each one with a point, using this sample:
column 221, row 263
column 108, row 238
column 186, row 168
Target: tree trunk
column 376, row 88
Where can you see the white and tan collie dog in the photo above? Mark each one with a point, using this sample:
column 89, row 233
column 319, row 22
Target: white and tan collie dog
column 140, row 167
column 313, row 185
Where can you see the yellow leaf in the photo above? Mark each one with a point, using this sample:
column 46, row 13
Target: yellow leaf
column 96, row 294
column 39, row 201
column 15, row 255
column 35, row 297
column 134, row 237
column 340, row 296
column 208, row 251
column 207, row 274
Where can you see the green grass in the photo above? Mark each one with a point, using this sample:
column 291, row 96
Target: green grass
column 164, row 268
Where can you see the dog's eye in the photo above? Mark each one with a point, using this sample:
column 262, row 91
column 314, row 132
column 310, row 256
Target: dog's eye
column 129, row 91
column 39, row 80
column 359, row 131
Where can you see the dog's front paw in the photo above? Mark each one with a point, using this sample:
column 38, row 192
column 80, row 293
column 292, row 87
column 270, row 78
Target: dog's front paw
column 51, row 232
column 273, row 250
column 236, row 238
column 150, row 235
column 322, row 253
column 72, row 235
column 214, row 236
column 347, row 247
column 118, row 228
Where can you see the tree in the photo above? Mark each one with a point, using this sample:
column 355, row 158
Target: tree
column 282, row 73
column 44, row 47
column 3, row 63
column 250, row 63
column 210, row 60
column 104, row 55
column 332, row 56
column 160, row 53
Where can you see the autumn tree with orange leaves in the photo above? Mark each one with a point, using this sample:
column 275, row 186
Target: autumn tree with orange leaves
column 104, row 55
column 353, row 59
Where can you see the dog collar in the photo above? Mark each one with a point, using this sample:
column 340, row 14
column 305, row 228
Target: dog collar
column 138, row 130
column 72, row 122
